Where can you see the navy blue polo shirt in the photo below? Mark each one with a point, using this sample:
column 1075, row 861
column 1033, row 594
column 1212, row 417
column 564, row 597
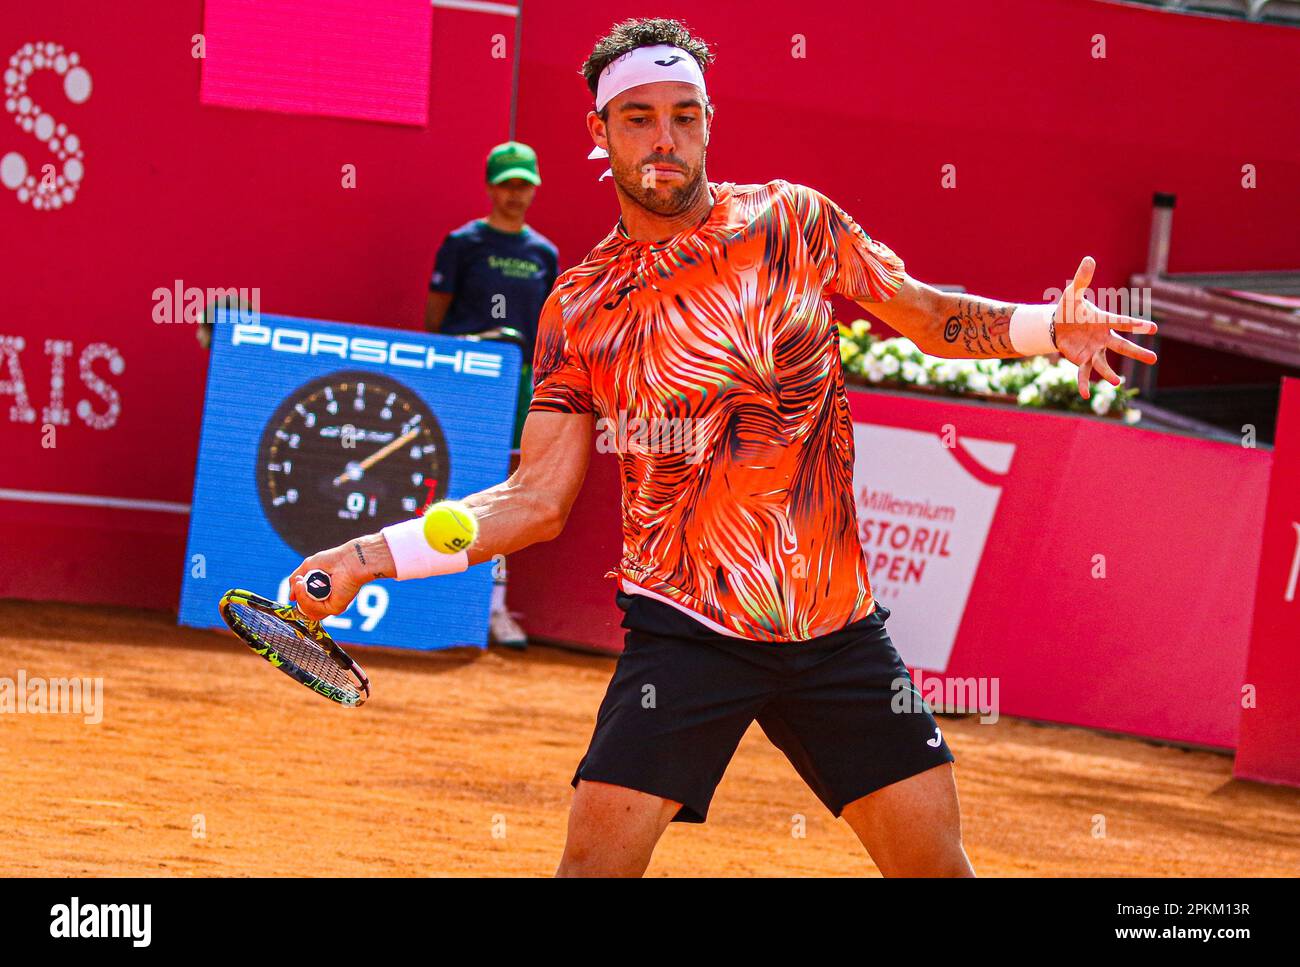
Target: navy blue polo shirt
column 487, row 270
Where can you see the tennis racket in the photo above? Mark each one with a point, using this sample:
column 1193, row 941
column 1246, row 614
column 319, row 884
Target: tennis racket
column 299, row 647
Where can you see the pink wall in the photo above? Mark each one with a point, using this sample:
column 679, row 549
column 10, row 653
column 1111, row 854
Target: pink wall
column 215, row 197
column 1168, row 617
column 1057, row 154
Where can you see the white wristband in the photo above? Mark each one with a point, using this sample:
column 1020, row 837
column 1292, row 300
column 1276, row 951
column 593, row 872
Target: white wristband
column 1031, row 330
column 412, row 555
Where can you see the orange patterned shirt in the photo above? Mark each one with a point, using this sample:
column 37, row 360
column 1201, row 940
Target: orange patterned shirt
column 712, row 362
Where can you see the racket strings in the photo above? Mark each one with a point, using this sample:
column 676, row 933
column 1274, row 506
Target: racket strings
column 272, row 631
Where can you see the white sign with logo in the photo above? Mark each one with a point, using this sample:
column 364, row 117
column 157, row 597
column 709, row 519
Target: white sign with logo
column 923, row 519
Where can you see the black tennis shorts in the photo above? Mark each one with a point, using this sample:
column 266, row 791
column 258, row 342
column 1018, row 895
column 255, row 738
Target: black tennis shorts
column 682, row 696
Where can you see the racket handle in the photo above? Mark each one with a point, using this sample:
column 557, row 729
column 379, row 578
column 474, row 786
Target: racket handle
column 318, row 584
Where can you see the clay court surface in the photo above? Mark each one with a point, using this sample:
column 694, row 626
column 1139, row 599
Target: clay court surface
column 460, row 764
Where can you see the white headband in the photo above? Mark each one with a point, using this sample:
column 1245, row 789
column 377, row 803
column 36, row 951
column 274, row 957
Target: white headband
column 644, row 65
column 647, row 65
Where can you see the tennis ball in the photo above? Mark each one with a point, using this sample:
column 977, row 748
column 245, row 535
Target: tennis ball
column 449, row 526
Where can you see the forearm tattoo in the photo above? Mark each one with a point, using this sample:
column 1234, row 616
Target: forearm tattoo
column 982, row 329
column 361, row 556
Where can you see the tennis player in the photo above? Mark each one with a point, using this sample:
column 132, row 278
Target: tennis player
column 743, row 582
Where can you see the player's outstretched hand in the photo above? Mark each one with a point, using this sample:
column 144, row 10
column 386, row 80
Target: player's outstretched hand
column 1084, row 332
column 346, row 578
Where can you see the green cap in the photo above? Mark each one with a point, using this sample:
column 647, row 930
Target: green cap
column 512, row 160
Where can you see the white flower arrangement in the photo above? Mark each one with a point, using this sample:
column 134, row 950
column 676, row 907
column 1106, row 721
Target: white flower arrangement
column 1031, row 395
column 1034, row 382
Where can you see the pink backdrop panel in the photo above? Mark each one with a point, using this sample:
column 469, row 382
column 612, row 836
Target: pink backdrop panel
column 560, row 586
column 213, row 197
column 1117, row 580
column 1155, row 647
column 1056, row 152
column 363, row 59
column 864, row 109
column 1271, row 725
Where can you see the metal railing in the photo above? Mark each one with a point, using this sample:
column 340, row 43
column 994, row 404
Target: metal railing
column 1285, row 12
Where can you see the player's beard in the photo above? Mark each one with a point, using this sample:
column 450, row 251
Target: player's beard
column 668, row 198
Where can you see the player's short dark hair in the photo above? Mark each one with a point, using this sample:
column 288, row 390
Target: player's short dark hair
column 642, row 32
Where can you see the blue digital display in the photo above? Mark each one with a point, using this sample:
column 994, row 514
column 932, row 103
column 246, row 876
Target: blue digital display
column 315, row 433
